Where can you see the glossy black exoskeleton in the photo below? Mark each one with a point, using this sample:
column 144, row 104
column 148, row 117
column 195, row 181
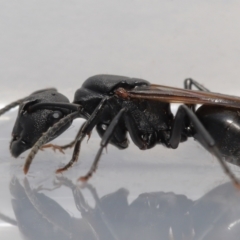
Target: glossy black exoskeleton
column 118, row 105
column 29, row 128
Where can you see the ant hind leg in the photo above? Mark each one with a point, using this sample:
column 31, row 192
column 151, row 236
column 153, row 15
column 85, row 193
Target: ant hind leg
column 202, row 136
column 189, row 82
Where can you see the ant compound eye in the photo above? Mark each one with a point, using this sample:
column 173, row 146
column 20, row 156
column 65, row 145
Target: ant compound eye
column 57, row 115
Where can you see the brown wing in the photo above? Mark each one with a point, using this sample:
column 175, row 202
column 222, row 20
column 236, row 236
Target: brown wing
column 177, row 95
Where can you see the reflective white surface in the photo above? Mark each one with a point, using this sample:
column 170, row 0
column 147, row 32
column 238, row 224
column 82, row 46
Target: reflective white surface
column 60, row 44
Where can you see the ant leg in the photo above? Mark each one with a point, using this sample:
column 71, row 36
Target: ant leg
column 134, row 132
column 54, row 147
column 61, row 148
column 45, row 138
column 105, row 139
column 85, row 129
column 189, row 82
column 76, row 152
column 202, row 136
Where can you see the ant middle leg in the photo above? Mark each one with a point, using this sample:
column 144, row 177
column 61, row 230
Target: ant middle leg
column 105, row 140
column 76, row 151
column 183, row 114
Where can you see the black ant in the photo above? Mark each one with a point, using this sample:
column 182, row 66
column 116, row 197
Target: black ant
column 117, row 105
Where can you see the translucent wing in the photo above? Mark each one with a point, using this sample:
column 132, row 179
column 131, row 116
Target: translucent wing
column 177, row 95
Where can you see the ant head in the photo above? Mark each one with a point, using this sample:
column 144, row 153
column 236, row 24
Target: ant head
column 30, row 125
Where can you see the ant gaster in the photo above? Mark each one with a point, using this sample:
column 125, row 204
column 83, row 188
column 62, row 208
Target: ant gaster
column 118, row 105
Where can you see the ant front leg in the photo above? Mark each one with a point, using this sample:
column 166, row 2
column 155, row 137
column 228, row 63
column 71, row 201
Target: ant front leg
column 46, row 136
column 84, row 130
column 62, row 148
column 202, row 136
column 54, row 147
column 105, row 140
column 76, row 151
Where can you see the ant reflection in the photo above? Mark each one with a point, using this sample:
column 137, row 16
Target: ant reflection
column 157, row 215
